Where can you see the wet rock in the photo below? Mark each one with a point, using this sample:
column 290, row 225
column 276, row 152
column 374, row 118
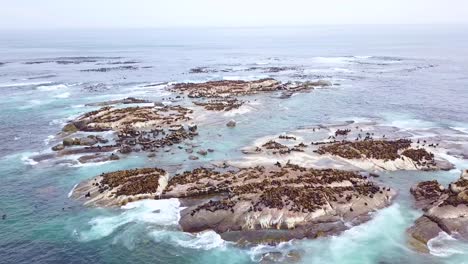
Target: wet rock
column 192, row 157
column 125, row 149
column 114, row 156
column 231, row 123
column 321, row 83
column 192, row 127
column 70, row 128
column 446, row 210
column 128, row 100
column 58, row 147
column 202, row 152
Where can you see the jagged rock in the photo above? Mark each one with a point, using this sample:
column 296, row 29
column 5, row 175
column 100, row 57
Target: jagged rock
column 202, row 152
column 125, row 149
column 192, row 157
column 70, row 128
column 114, row 156
column 58, row 147
column 68, row 142
column 426, row 193
column 192, row 127
column 445, row 211
column 231, row 123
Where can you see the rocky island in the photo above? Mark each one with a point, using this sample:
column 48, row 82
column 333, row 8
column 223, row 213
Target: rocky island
column 256, row 204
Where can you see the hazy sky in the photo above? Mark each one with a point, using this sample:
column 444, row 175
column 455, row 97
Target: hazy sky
column 34, row 14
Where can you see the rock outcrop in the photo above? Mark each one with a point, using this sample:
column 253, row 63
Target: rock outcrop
column 445, row 210
column 256, row 204
column 217, row 89
column 135, row 128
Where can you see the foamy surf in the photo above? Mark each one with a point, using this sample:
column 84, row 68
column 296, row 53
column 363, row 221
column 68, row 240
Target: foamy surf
column 156, row 212
column 72, row 190
column 62, row 95
column 48, row 88
column 444, row 245
column 206, row 240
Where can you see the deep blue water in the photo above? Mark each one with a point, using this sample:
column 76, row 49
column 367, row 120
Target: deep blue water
column 411, row 76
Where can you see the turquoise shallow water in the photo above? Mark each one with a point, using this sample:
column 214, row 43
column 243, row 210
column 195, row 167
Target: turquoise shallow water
column 406, row 76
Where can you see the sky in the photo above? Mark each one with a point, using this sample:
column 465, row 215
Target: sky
column 49, row 14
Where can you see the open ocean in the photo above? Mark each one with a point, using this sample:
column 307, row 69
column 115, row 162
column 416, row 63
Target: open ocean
column 406, row 76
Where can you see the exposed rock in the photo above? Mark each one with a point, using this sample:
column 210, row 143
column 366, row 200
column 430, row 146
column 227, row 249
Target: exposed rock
column 93, row 158
column 119, row 187
column 70, row 128
column 231, row 123
column 202, row 152
column 224, row 104
column 58, row 147
column 446, row 211
column 192, row 127
column 225, row 88
column 128, row 100
column 426, row 193
column 256, row 204
column 114, row 156
column 192, row 157
column 125, row 149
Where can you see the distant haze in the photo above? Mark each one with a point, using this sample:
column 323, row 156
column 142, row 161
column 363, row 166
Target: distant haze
column 45, row 14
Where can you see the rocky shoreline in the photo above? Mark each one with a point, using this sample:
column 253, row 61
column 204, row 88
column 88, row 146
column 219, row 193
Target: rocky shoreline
column 256, row 204
column 445, row 211
column 352, row 146
column 312, row 182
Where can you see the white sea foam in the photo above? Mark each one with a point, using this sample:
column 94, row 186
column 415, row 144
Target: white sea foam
column 334, row 60
column 27, row 160
column 48, row 88
column 366, row 242
column 48, row 139
column 240, row 111
column 258, row 252
column 72, row 190
column 22, row 84
column 62, row 95
column 443, row 245
column 158, row 212
column 247, row 78
column 204, row 240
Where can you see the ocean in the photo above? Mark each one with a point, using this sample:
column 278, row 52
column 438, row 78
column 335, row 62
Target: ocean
column 406, row 76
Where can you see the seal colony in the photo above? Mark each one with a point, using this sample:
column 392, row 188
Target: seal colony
column 445, row 211
column 136, row 128
column 243, row 204
column 308, row 183
column 351, row 146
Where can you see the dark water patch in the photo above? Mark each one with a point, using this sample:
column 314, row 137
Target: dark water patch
column 42, row 77
column 120, row 68
column 69, row 60
column 119, row 62
column 96, row 87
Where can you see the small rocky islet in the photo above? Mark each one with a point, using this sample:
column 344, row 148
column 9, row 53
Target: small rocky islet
column 445, row 210
column 309, row 183
column 243, row 204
